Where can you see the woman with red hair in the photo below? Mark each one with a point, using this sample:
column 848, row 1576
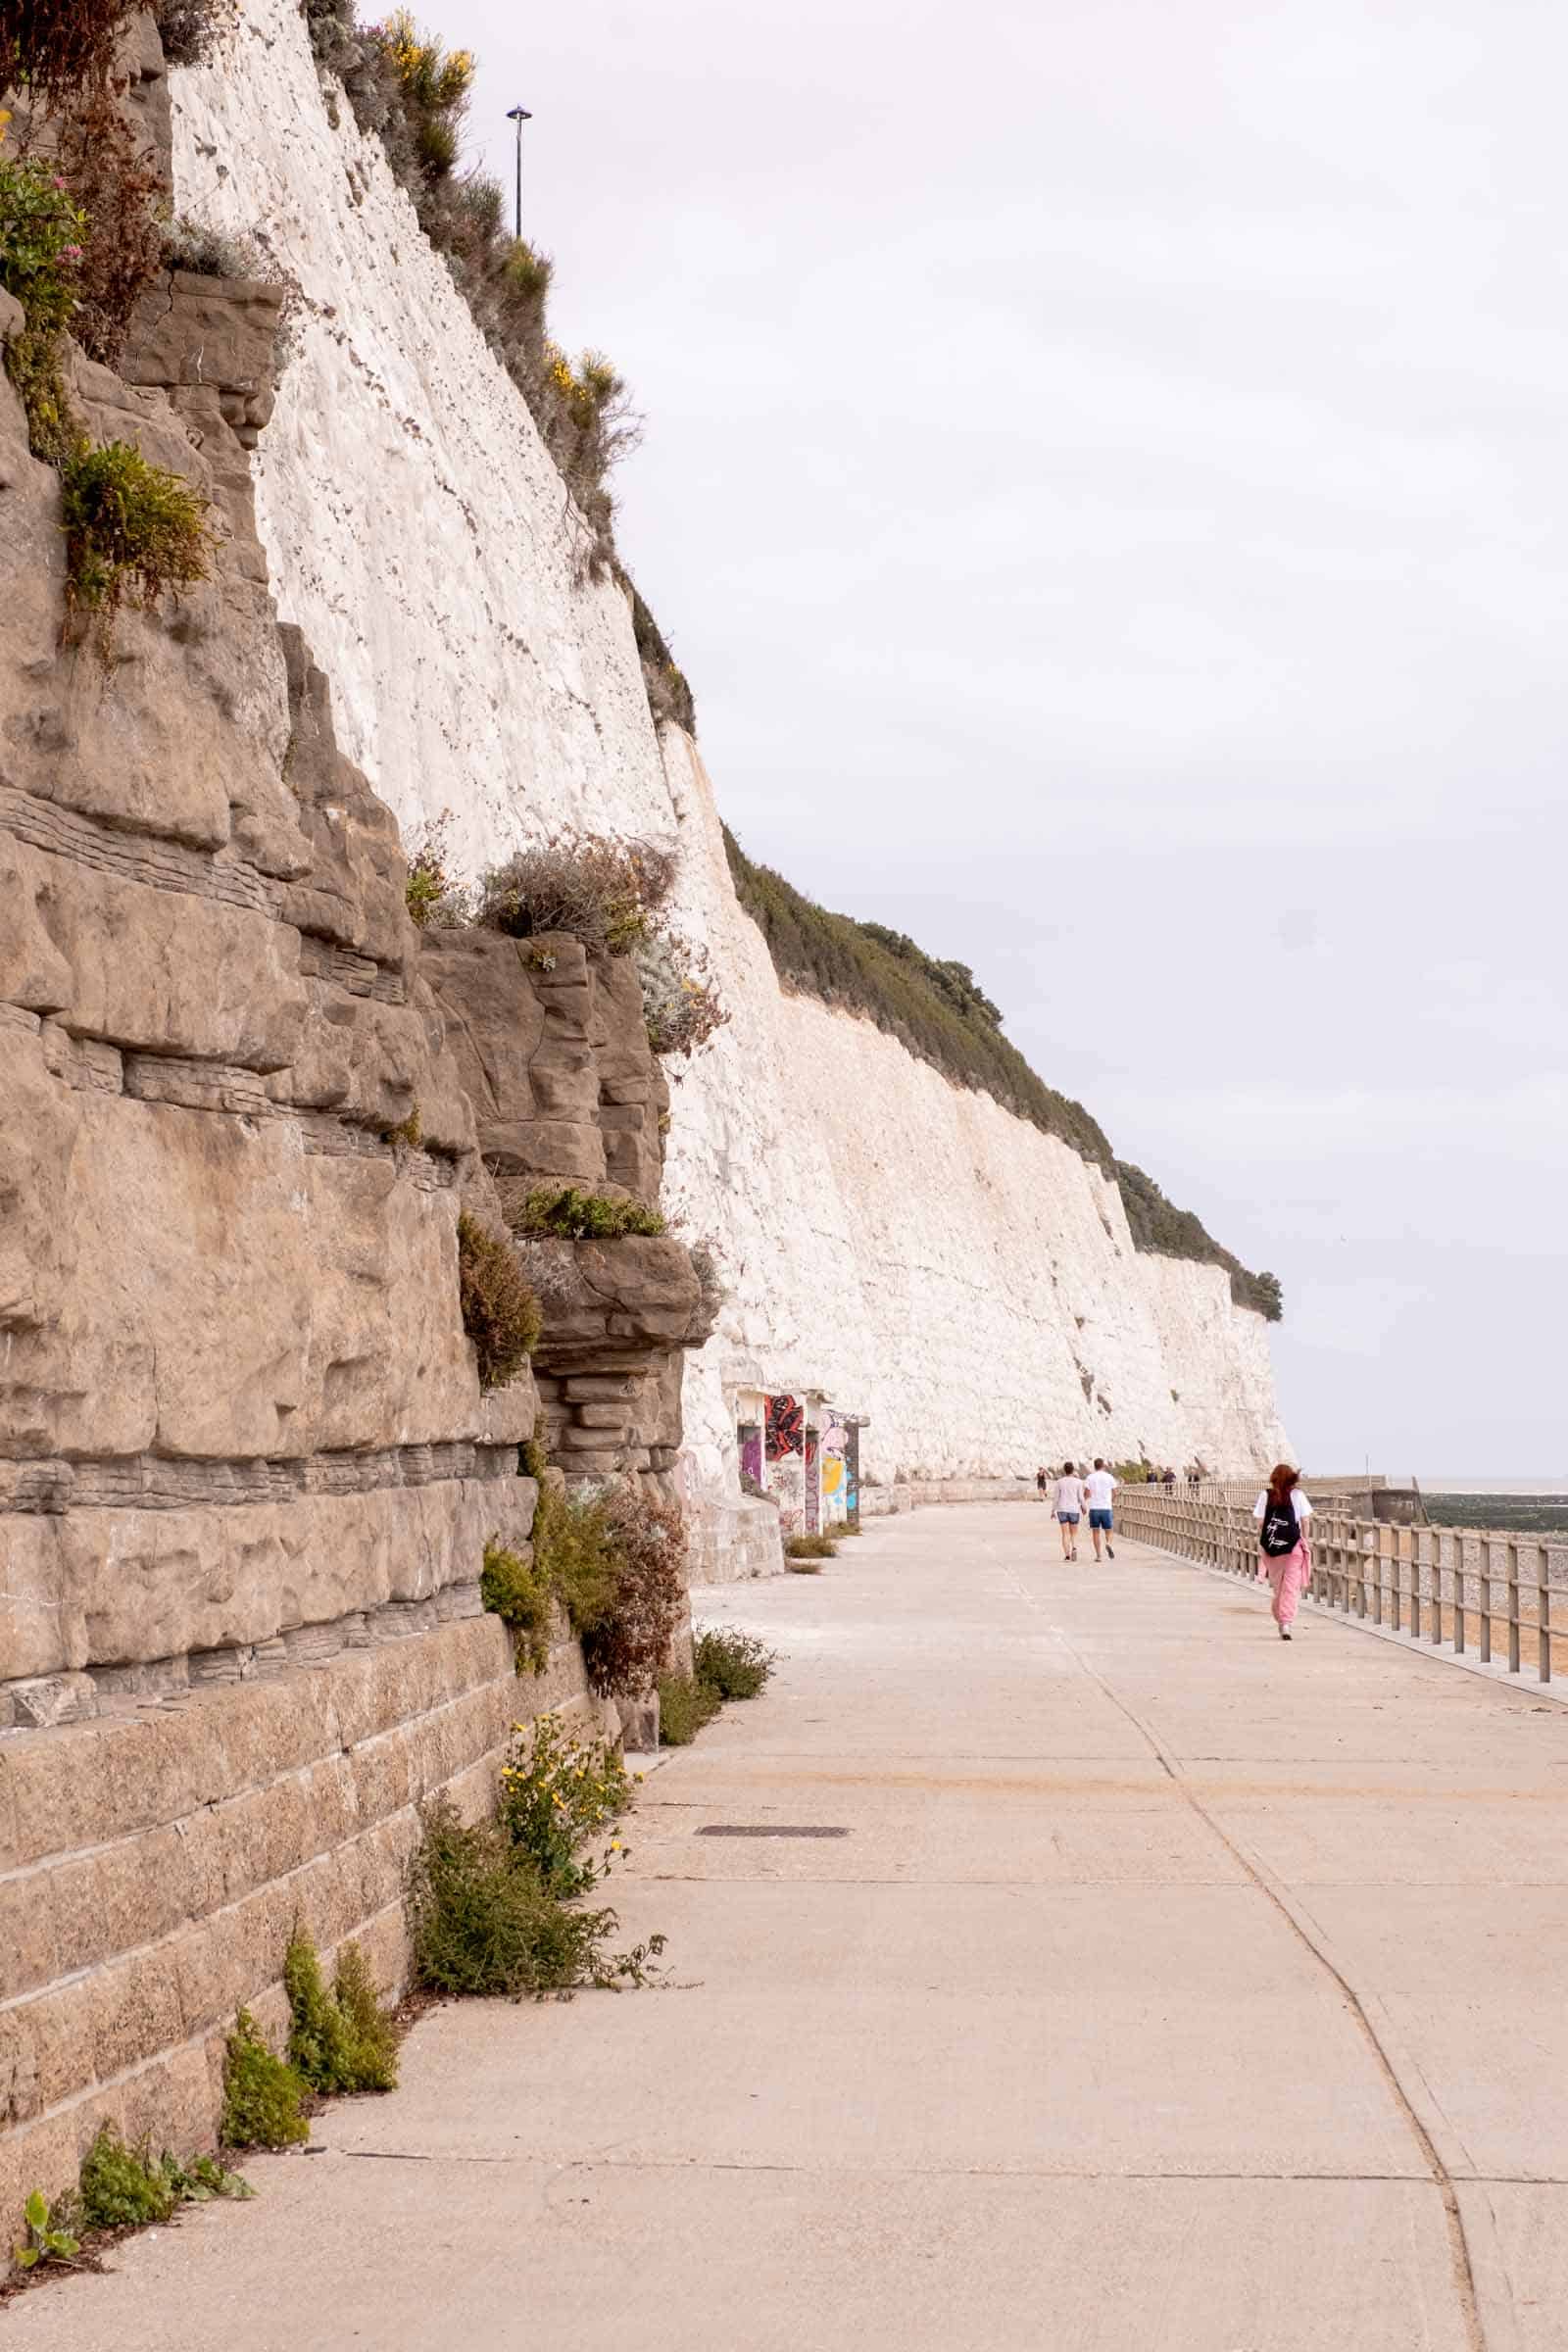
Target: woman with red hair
column 1284, row 1516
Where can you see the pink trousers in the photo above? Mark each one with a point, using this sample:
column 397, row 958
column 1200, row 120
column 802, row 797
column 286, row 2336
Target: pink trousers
column 1289, row 1579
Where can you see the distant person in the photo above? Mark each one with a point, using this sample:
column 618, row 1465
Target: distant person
column 1100, row 1488
column 1043, row 1483
column 1284, row 1516
column 1194, row 1475
column 1068, row 1501
column 1167, row 1477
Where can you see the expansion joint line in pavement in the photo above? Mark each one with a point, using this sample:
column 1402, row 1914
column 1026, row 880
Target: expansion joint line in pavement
column 1275, row 1892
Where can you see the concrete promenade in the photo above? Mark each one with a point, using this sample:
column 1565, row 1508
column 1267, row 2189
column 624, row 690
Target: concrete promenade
column 1172, row 1990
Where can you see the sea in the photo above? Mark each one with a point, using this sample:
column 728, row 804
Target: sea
column 1531, row 1507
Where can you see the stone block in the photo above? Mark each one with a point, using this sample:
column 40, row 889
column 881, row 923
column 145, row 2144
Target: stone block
column 216, row 332
column 213, row 1969
column 39, row 2155
column 134, row 2011
column 164, row 971
column 592, row 1387
column 385, row 1780
column 599, row 1416
column 379, row 1690
column 48, row 1701
column 639, row 1722
column 123, row 1895
column 33, row 971
column 240, row 1845
column 174, row 2103
column 47, row 2051
column 29, row 1951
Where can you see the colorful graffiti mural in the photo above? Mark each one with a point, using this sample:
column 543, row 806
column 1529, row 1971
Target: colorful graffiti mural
column 832, row 1470
column 786, row 1427
column 749, row 1438
column 814, row 1485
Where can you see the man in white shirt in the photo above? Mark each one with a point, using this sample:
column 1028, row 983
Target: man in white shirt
column 1098, row 1489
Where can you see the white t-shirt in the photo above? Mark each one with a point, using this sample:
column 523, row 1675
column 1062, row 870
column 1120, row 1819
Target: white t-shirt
column 1299, row 1504
column 1068, row 1496
column 1100, row 1487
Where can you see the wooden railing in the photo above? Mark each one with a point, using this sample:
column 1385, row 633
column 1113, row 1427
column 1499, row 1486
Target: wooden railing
column 1456, row 1589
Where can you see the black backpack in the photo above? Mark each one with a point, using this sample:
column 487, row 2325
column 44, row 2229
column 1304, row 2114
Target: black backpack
column 1280, row 1534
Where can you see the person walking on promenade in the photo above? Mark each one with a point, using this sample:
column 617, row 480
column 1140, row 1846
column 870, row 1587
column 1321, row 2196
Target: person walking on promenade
column 1043, row 1483
column 1100, row 1487
column 1284, row 1556
column 1068, row 1501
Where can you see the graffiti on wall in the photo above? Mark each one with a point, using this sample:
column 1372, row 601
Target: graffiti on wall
column 786, row 1486
column 786, row 1427
column 750, row 1435
column 784, row 1448
column 813, row 1486
column 852, row 1474
column 835, row 1480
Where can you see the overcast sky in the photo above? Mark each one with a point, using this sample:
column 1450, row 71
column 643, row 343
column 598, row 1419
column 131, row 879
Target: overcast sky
column 1105, row 476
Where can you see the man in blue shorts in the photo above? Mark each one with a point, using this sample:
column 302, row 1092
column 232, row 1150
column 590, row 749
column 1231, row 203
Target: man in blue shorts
column 1098, row 1489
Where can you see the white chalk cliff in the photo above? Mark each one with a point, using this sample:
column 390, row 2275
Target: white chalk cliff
column 911, row 1249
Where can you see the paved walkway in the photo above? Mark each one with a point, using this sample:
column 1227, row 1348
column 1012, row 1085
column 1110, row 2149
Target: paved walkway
column 1172, row 1990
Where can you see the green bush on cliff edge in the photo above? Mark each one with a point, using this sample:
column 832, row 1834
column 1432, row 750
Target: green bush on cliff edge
column 938, row 1011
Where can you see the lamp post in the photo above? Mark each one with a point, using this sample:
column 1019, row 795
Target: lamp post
column 518, row 115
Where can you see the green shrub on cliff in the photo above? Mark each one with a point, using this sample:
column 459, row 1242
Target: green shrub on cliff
column 134, row 531
column 499, row 1312
column 43, row 235
column 939, row 1012
column 1161, row 1229
column 601, row 891
column 573, row 1553
column 575, row 1216
column 934, row 1009
column 520, row 1596
column 615, row 1558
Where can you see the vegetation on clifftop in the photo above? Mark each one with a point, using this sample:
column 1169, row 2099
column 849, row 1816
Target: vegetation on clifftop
column 1165, row 1231
column 938, row 1011
column 408, row 89
column 934, row 1009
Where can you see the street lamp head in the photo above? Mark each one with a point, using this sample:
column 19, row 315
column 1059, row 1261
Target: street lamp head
column 518, row 114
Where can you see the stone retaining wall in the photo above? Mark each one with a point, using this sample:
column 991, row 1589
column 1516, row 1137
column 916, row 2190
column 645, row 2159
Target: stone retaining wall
column 247, row 1471
column 153, row 1866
